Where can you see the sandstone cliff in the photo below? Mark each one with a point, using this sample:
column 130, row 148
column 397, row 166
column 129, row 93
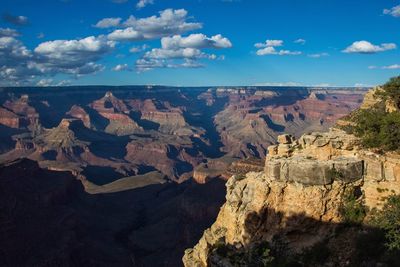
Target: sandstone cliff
column 295, row 203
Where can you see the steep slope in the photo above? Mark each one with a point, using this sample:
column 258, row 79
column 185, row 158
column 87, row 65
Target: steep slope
column 47, row 219
column 115, row 110
column 297, row 210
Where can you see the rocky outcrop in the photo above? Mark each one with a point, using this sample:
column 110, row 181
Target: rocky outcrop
column 297, row 198
column 116, row 112
column 26, row 113
column 79, row 113
column 9, row 118
column 250, row 123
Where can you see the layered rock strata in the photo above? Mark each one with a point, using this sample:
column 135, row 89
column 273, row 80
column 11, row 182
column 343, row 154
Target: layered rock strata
column 297, row 198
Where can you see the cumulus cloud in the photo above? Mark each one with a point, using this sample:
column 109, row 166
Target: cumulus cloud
column 365, row 47
column 143, row 3
column 272, row 51
column 300, row 41
column 7, row 32
column 121, row 67
column 44, row 82
column 269, row 48
column 108, row 23
column 169, row 22
column 16, row 20
column 394, row 11
column 268, row 43
column 198, row 41
column 187, row 48
column 19, row 65
column 73, row 56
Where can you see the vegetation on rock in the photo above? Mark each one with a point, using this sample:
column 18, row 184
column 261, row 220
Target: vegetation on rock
column 378, row 127
column 258, row 255
column 388, row 219
column 352, row 208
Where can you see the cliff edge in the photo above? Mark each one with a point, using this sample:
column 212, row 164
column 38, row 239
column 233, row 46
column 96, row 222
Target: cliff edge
column 296, row 207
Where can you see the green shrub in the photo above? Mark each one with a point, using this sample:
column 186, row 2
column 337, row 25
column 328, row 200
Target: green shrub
column 376, row 127
column 259, row 255
column 352, row 209
column 391, row 90
column 388, row 219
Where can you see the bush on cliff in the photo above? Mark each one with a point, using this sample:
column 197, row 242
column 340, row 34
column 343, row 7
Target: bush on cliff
column 258, row 255
column 388, row 219
column 376, row 127
column 391, row 91
column 352, row 209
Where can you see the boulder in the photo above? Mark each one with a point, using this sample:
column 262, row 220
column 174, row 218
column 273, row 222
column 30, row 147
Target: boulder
column 310, row 171
column 349, row 169
column 273, row 150
column 273, row 169
column 285, row 139
column 284, row 150
column 373, row 169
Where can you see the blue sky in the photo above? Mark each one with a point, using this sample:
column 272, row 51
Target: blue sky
column 199, row 42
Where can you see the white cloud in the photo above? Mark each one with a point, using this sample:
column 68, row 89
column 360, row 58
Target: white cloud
column 169, row 22
column 268, row 48
column 19, row 65
column 7, row 32
column 121, row 67
column 300, row 41
column 146, row 64
column 268, row 43
column 392, row 67
column 108, row 23
column 128, row 34
column 365, row 47
column 198, row 41
column 318, row 55
column 272, row 51
column 188, row 49
column 44, row 82
column 394, row 11
column 161, row 53
column 66, row 52
column 143, row 3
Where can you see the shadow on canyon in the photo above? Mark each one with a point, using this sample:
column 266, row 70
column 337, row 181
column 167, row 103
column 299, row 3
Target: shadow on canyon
column 47, row 219
column 275, row 239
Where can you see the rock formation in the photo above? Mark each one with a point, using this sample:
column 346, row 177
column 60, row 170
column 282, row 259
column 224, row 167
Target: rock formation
column 116, row 112
column 296, row 199
column 79, row 113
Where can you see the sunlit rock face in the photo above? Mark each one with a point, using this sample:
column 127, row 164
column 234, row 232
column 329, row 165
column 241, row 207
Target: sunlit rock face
column 297, row 198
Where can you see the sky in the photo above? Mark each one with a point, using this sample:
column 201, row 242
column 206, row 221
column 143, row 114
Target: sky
column 199, row 42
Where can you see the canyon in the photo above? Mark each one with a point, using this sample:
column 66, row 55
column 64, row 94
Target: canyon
column 139, row 172
column 292, row 213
